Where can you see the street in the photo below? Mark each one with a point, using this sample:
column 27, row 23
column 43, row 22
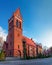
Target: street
column 46, row 61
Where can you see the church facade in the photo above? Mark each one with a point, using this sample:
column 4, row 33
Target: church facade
column 16, row 44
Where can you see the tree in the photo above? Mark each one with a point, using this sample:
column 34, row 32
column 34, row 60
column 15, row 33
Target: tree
column 2, row 55
column 51, row 51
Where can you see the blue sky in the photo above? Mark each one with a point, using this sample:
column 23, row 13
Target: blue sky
column 37, row 18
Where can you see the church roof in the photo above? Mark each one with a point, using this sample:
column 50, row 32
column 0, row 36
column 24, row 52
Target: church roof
column 29, row 41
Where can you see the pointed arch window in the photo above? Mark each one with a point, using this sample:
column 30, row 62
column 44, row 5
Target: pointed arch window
column 18, row 24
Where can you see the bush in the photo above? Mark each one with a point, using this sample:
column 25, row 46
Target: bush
column 42, row 56
column 2, row 56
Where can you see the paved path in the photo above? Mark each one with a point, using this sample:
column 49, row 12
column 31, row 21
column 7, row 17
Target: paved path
column 46, row 61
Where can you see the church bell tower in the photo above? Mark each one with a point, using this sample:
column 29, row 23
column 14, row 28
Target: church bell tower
column 15, row 34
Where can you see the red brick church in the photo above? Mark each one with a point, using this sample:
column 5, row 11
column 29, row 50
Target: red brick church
column 16, row 44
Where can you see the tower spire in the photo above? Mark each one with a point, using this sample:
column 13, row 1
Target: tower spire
column 18, row 14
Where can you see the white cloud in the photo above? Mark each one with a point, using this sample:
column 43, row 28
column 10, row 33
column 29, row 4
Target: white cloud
column 3, row 33
column 35, row 40
column 46, row 38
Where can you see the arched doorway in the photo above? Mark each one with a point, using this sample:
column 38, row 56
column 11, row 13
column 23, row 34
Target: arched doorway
column 19, row 54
